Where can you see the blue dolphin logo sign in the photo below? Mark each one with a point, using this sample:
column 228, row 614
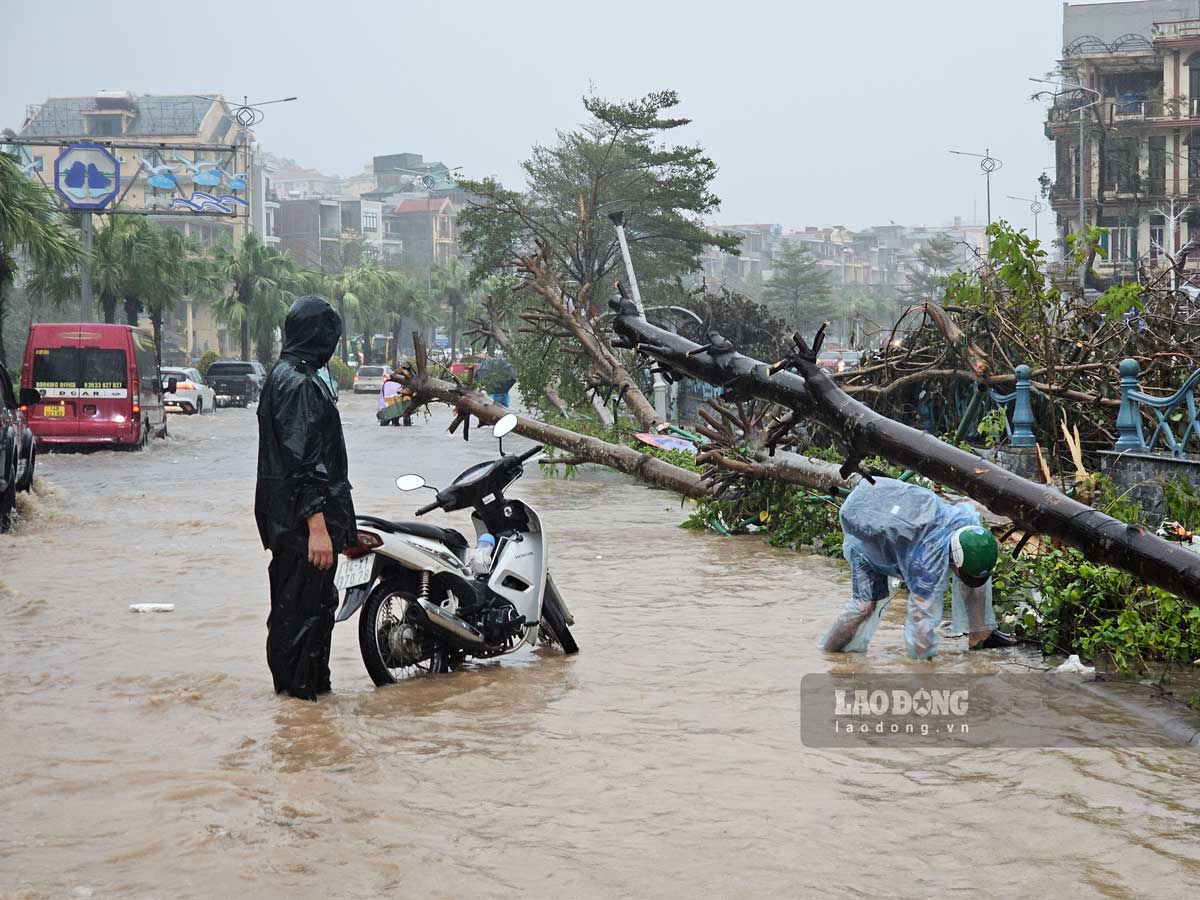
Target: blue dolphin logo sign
column 87, row 176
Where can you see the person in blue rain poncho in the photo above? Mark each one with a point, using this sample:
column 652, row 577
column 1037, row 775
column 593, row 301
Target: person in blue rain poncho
column 900, row 530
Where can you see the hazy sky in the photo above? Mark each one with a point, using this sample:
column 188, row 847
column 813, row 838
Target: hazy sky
column 816, row 113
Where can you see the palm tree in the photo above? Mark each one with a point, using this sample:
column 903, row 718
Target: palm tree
column 177, row 272
column 32, row 225
column 452, row 281
column 260, row 281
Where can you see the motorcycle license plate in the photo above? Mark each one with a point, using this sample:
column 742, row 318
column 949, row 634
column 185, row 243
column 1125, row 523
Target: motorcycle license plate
column 353, row 572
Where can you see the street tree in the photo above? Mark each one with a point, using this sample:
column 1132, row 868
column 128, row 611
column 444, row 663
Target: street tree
column 924, row 281
column 32, row 227
column 258, row 280
column 799, row 289
column 558, row 233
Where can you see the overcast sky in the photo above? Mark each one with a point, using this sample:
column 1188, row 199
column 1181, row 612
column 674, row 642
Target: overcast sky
column 816, row 113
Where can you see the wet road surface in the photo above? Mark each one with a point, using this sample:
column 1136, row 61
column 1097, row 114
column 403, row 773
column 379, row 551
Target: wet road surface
column 146, row 756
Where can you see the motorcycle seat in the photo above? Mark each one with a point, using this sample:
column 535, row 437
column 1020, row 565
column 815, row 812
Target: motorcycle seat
column 448, row 536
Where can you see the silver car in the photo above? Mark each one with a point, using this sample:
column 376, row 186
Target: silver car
column 370, row 379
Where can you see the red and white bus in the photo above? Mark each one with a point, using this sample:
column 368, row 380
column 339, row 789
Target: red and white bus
column 99, row 384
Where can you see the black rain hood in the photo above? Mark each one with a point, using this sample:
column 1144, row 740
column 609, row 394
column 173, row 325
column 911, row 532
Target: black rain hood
column 302, row 466
column 311, row 331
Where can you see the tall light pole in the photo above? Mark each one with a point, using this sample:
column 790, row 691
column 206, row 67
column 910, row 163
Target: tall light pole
column 1035, row 206
column 987, row 164
column 1064, row 89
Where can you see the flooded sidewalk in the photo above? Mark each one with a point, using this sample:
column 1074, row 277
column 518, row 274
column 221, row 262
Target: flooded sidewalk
column 146, row 755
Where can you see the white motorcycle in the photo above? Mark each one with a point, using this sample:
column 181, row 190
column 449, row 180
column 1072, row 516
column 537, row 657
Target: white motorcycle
column 428, row 603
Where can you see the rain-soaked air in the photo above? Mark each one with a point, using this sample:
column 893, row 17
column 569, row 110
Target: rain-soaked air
column 658, row 450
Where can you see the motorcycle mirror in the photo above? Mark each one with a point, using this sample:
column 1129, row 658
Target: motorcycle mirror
column 504, row 426
column 410, row 482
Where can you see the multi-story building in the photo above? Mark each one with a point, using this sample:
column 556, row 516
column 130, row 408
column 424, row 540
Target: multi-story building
column 427, row 227
column 129, row 122
column 1140, row 64
column 875, row 259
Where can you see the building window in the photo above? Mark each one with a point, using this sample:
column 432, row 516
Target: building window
column 1120, row 165
column 1157, row 170
column 370, row 221
column 1119, row 242
column 1157, row 224
column 103, row 126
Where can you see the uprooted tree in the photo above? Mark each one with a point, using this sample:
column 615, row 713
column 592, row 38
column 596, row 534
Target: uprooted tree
column 1005, row 312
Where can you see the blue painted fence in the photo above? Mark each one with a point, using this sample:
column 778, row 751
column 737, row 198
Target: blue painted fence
column 1178, row 410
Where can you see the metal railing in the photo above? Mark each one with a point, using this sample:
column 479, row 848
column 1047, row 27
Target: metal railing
column 1019, row 424
column 1179, row 407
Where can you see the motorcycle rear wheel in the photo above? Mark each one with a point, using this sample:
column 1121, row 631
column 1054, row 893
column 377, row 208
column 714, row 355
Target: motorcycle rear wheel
column 379, row 642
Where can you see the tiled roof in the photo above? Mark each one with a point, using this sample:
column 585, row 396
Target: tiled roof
column 420, row 205
column 155, row 115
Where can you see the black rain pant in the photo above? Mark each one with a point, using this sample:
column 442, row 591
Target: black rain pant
column 300, row 626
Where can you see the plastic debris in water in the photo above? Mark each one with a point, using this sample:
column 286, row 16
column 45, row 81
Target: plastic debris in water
column 1074, row 667
column 151, row 607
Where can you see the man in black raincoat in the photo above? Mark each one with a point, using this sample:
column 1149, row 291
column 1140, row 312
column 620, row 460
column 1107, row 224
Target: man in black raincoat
column 302, row 501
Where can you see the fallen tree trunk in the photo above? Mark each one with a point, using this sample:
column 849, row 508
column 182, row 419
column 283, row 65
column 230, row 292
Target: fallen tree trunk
column 813, row 394
column 469, row 402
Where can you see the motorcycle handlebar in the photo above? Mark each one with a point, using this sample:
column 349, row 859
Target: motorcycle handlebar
column 430, row 507
column 530, row 454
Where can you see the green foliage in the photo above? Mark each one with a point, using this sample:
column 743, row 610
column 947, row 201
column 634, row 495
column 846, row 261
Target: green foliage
column 748, row 325
column 617, row 160
column 1183, row 503
column 209, row 357
column 993, row 427
column 342, row 374
column 1120, row 299
column 1070, row 605
column 803, row 519
column 31, row 227
column 799, row 290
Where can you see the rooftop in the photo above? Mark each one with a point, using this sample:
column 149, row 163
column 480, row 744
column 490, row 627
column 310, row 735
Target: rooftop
column 153, row 115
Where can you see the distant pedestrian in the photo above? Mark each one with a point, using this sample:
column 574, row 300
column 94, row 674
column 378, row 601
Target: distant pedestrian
column 302, row 501
column 497, row 376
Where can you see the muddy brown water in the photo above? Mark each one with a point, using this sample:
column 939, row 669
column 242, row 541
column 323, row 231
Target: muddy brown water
column 145, row 755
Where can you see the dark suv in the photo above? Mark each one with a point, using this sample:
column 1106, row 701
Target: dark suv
column 236, row 382
column 18, row 450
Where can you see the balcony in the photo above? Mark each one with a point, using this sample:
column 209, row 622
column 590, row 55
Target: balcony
column 1180, row 29
column 1132, row 110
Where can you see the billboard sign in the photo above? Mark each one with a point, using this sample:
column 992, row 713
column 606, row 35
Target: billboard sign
column 87, row 176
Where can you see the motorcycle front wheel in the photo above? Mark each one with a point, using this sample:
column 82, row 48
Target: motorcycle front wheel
column 393, row 649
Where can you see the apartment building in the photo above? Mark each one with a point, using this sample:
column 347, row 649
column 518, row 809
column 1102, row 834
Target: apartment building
column 1140, row 64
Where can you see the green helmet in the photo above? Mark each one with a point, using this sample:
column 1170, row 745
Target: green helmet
column 973, row 553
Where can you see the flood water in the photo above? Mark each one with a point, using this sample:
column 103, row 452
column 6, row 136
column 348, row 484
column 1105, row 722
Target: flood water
column 146, row 755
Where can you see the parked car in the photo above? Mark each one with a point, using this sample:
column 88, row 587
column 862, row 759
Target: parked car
column 18, row 449
column 837, row 359
column 370, row 379
column 192, row 393
column 236, row 381
column 96, row 384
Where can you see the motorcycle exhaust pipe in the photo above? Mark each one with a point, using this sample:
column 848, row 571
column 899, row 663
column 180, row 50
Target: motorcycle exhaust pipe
column 449, row 627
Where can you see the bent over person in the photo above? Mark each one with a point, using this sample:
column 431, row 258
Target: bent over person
column 302, row 500
column 895, row 529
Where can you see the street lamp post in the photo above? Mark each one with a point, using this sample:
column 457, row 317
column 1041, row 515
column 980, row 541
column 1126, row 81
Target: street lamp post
column 1036, row 207
column 1082, row 212
column 987, row 164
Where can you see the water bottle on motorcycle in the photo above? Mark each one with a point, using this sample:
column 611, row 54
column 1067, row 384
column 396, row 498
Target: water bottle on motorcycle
column 481, row 558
